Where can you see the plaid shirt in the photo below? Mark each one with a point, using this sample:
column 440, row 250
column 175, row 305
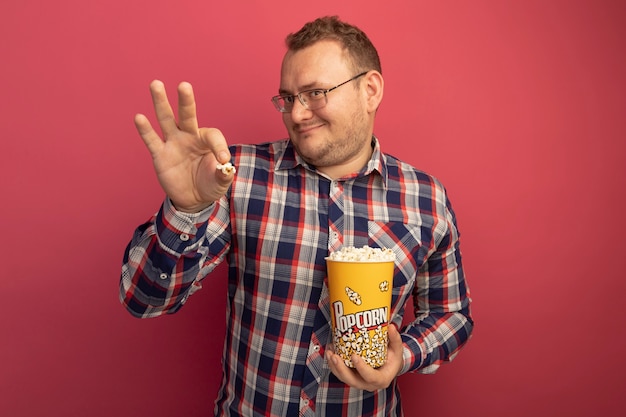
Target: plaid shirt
column 275, row 226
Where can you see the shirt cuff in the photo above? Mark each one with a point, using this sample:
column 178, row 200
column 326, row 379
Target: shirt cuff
column 411, row 354
column 177, row 231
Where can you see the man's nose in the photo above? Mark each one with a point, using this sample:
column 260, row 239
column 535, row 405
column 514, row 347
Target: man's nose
column 299, row 111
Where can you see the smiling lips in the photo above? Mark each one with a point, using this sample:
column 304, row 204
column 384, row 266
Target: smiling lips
column 304, row 129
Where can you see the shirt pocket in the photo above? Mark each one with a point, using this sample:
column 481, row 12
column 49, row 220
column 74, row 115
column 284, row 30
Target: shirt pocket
column 405, row 241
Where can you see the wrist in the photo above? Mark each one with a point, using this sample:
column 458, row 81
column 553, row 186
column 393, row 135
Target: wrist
column 190, row 209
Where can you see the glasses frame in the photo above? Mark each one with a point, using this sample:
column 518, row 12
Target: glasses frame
column 302, row 100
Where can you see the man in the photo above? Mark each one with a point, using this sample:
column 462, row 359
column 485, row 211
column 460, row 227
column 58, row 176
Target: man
column 288, row 205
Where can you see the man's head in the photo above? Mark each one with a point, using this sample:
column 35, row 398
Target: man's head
column 359, row 48
column 335, row 65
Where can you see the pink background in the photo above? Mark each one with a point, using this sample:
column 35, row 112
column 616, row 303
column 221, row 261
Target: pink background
column 517, row 106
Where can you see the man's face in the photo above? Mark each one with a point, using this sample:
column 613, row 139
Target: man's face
column 336, row 138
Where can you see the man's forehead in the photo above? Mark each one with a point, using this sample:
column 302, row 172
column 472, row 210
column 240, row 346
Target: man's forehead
column 324, row 50
column 318, row 65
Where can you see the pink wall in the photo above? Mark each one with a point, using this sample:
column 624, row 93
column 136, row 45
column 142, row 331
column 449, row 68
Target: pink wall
column 518, row 107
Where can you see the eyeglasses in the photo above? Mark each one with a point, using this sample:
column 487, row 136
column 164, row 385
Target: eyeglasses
column 310, row 99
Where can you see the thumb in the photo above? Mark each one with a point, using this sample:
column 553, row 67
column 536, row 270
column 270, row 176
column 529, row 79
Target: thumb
column 395, row 340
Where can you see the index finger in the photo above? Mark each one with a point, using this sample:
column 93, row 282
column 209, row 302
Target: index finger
column 212, row 139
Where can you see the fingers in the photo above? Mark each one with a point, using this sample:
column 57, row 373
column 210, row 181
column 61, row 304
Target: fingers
column 162, row 108
column 363, row 376
column 187, row 119
column 210, row 139
column 148, row 135
column 338, row 367
column 353, row 377
column 213, row 140
column 369, row 378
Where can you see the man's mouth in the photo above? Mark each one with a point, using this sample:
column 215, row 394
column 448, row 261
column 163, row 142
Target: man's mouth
column 305, row 129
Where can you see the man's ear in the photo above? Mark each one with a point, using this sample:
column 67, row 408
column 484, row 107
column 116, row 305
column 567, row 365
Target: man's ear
column 374, row 86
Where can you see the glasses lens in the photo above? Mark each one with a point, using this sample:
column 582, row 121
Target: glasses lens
column 279, row 103
column 314, row 99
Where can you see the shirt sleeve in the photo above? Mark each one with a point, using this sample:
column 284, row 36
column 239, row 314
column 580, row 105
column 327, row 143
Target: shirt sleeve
column 169, row 255
column 441, row 299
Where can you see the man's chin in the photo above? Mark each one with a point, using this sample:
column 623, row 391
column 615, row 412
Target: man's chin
column 303, row 141
column 310, row 151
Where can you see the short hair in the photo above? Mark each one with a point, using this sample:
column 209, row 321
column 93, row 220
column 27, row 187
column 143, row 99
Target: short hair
column 360, row 49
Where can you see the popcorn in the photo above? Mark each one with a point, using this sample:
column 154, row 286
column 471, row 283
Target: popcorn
column 226, row 168
column 353, row 296
column 369, row 345
column 364, row 254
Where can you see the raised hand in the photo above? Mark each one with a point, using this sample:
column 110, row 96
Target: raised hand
column 186, row 158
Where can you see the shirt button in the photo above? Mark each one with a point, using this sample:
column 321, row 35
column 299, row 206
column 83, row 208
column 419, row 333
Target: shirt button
column 316, row 348
column 163, row 276
column 184, row 237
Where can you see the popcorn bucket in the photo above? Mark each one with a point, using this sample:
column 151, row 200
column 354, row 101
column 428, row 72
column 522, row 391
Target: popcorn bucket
column 360, row 303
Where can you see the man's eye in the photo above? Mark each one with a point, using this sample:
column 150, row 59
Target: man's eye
column 315, row 94
column 288, row 99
